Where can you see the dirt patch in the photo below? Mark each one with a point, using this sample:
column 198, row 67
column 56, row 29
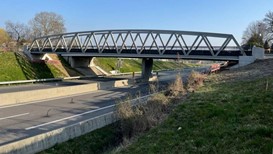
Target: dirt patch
column 258, row 69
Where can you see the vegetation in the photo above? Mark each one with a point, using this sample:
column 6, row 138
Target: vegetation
column 47, row 23
column 19, row 32
column 134, row 65
column 43, row 23
column 232, row 113
column 257, row 33
column 134, row 121
column 234, row 117
column 9, row 67
column 14, row 66
column 266, row 45
column 4, row 39
column 94, row 142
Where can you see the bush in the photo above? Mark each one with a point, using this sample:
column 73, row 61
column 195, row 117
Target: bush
column 142, row 117
column 195, row 80
column 176, row 89
column 125, row 113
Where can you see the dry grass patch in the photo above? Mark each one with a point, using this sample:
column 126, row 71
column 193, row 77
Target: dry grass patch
column 195, row 80
column 177, row 89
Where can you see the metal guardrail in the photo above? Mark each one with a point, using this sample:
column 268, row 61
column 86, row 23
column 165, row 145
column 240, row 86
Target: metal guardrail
column 42, row 80
column 29, row 81
column 67, row 78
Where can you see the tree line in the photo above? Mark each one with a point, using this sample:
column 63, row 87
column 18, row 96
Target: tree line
column 259, row 33
column 15, row 34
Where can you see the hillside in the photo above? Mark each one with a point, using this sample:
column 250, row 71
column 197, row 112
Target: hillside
column 10, row 68
column 15, row 66
column 134, row 65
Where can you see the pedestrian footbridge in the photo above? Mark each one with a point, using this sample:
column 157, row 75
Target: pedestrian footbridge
column 80, row 47
column 161, row 44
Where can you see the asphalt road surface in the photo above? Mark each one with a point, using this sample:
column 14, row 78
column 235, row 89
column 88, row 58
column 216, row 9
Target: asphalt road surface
column 25, row 120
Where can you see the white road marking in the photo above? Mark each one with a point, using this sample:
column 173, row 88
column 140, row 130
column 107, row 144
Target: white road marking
column 56, row 98
column 70, row 117
column 77, row 115
column 18, row 115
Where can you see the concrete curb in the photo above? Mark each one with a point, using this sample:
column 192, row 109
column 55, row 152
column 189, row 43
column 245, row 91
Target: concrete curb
column 49, row 139
column 42, row 94
column 46, row 140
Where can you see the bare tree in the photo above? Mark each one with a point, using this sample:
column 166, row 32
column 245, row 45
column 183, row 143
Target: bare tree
column 269, row 20
column 47, row 23
column 257, row 32
column 18, row 31
column 4, row 37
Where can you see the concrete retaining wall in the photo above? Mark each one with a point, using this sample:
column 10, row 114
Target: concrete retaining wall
column 34, row 95
column 44, row 141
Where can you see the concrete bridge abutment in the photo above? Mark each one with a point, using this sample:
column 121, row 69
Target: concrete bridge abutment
column 257, row 53
column 147, row 66
column 79, row 62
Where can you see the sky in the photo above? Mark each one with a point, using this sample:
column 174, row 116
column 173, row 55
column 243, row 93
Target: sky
column 219, row 16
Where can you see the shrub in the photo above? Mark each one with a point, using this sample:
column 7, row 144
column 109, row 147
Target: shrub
column 195, row 80
column 176, row 89
column 142, row 117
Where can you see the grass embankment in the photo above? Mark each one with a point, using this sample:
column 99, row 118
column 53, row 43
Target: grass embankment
column 9, row 67
column 221, row 117
column 95, row 142
column 134, row 65
column 14, row 66
column 234, row 117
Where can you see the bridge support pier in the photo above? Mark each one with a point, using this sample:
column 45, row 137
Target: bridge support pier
column 147, row 66
column 78, row 62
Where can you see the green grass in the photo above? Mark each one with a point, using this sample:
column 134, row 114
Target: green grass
column 134, row 65
column 14, row 67
column 109, row 64
column 9, row 68
column 94, row 142
column 38, row 70
column 219, row 118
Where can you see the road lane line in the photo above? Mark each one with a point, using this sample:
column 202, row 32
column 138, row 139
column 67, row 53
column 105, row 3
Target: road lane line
column 56, row 98
column 18, row 115
column 70, row 117
column 77, row 115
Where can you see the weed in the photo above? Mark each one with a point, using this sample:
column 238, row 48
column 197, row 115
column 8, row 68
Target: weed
column 195, row 80
column 176, row 89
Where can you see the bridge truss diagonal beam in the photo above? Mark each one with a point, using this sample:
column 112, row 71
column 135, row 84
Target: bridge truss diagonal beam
column 137, row 42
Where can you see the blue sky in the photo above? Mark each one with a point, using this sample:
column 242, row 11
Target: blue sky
column 220, row 16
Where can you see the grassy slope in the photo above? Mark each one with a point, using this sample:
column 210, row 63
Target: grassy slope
column 64, row 66
column 232, row 117
column 16, row 67
column 9, row 68
column 133, row 65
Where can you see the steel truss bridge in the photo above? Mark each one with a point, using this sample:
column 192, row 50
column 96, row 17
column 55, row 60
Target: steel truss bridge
column 159, row 44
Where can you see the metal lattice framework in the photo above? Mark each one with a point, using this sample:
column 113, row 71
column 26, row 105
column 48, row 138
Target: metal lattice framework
column 138, row 43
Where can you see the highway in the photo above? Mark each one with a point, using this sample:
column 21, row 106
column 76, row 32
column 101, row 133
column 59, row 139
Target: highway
column 47, row 85
column 25, row 120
